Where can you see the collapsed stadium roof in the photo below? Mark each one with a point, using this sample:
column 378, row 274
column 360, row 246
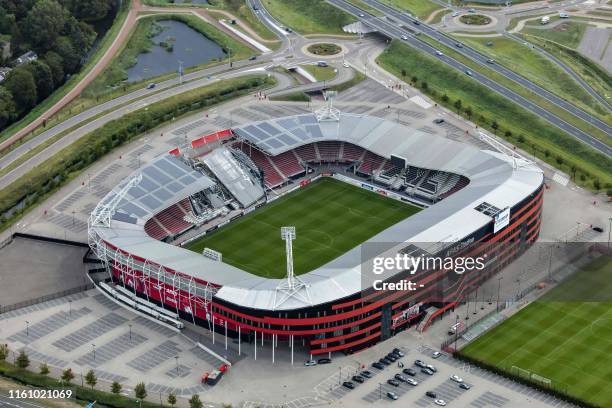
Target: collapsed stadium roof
column 496, row 179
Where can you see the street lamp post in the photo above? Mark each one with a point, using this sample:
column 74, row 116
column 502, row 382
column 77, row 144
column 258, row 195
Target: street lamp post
column 93, row 349
column 130, row 331
column 177, row 368
column 456, row 330
column 27, row 328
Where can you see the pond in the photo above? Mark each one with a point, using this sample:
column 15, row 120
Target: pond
column 174, row 42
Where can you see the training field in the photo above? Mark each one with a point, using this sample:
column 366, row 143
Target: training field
column 569, row 342
column 330, row 217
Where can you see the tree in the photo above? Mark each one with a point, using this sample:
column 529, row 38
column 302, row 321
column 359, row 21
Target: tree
column 44, row 369
column 468, row 112
column 56, row 64
column 195, row 402
column 8, row 109
column 115, row 387
column 508, row 134
column 81, row 35
column 495, row 126
column 597, row 184
column 457, row 105
column 91, row 379
column 89, row 10
column 403, row 72
column 20, row 83
column 521, row 139
column 172, row 399
column 4, row 352
column 140, row 391
column 22, row 360
column 424, row 85
column 445, row 98
column 71, row 58
column 67, row 375
column 43, row 77
column 414, row 79
column 44, row 23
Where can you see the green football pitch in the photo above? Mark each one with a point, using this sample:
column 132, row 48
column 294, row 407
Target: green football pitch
column 567, row 341
column 330, row 217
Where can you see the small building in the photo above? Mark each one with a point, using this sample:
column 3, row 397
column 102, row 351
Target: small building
column 25, row 58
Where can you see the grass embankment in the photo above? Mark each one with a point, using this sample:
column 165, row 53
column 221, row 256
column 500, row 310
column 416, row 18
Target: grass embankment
column 302, row 97
column 538, row 69
column 320, row 73
column 564, row 336
column 83, row 394
column 366, row 7
column 45, row 179
column 567, row 33
column 524, row 92
column 595, row 75
column 420, row 8
column 330, row 217
column 309, row 16
column 56, row 96
column 499, row 115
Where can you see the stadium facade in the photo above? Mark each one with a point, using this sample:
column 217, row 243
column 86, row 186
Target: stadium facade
column 470, row 196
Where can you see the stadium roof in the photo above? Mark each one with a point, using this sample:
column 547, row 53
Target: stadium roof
column 234, row 177
column 495, row 179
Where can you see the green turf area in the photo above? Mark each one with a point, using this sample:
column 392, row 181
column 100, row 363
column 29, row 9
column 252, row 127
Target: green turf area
column 420, row 8
column 569, row 342
column 309, row 16
column 539, row 69
column 475, row 19
column 568, row 33
column 324, row 49
column 330, row 217
column 320, row 73
column 494, row 112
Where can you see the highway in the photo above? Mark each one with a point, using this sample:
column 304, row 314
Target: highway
column 395, row 30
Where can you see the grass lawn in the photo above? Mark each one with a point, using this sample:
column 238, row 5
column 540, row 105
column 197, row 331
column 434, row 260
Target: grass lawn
column 527, row 130
column 366, row 7
column 539, row 69
column 569, row 342
column 568, row 33
column 330, row 218
column 324, row 49
column 420, row 8
column 320, row 73
column 309, row 16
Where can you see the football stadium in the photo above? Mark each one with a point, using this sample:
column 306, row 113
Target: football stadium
column 258, row 231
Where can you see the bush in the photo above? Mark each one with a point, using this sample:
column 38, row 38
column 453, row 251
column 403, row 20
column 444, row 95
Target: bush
column 67, row 375
column 140, row 391
column 195, row 402
column 44, row 369
column 4, row 351
column 115, row 387
column 22, row 360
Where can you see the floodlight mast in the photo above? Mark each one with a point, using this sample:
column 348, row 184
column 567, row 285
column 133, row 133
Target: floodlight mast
column 328, row 112
column 288, row 235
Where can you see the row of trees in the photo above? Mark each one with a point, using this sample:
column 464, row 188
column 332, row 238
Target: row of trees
column 61, row 32
column 22, row 361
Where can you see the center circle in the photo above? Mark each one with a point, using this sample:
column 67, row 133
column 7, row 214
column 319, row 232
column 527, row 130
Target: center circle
column 324, row 49
column 475, row 19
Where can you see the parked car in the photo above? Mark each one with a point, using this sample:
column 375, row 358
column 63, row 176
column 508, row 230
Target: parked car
column 391, row 357
column 563, row 15
column 378, row 365
column 358, row 379
column 420, row 363
column 464, row 386
column 412, row 381
column 427, row 371
column 409, row 371
column 393, row 382
column 436, row 354
column 432, row 368
column 309, row 363
column 437, row 122
column 399, row 377
column 398, row 351
column 345, row 64
column 348, row 385
column 440, row 402
column 431, row 394
column 391, row 395
column 456, row 378
column 324, row 360
column 387, row 361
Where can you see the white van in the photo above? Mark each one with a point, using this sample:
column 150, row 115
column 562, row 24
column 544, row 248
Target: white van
column 545, row 20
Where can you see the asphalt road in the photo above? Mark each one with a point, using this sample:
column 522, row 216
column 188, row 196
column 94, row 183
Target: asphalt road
column 6, row 402
column 394, row 30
